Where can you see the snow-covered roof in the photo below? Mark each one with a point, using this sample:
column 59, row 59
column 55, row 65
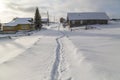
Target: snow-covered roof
column 44, row 19
column 88, row 16
column 10, row 24
column 17, row 21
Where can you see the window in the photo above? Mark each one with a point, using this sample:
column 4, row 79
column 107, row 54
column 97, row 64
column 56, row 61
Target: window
column 24, row 27
column 81, row 22
column 73, row 22
column 9, row 27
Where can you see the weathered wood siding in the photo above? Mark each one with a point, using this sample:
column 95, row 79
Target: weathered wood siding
column 18, row 27
column 76, row 23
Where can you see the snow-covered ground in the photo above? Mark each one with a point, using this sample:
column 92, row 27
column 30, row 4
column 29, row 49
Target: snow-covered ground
column 56, row 53
column 98, row 52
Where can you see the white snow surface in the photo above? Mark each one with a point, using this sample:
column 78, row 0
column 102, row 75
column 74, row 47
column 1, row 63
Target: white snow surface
column 56, row 53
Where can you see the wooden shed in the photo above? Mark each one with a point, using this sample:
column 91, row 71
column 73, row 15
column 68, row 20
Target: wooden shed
column 87, row 18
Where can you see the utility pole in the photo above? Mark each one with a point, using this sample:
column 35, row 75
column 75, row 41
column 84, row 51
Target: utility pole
column 0, row 26
column 47, row 18
column 54, row 18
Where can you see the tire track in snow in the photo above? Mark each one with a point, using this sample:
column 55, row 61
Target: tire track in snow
column 55, row 70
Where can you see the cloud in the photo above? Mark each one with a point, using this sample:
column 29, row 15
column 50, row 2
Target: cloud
column 20, row 7
column 61, row 7
column 111, row 7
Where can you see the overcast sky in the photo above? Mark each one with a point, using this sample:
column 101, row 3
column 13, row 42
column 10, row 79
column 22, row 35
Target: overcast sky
column 57, row 8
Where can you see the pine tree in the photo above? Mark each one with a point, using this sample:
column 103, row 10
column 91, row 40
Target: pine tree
column 37, row 20
column 62, row 20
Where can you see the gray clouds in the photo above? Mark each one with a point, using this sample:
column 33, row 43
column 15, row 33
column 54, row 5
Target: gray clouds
column 64, row 5
column 19, row 7
column 61, row 7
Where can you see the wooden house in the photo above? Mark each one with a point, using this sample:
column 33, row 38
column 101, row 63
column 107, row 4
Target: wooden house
column 18, row 24
column 87, row 18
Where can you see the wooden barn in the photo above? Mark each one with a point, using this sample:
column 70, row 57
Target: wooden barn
column 87, row 18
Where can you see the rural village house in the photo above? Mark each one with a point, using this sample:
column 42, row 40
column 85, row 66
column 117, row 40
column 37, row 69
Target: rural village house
column 18, row 24
column 86, row 18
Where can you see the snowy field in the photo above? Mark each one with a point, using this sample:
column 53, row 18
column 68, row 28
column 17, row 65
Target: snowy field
column 98, row 52
column 56, row 53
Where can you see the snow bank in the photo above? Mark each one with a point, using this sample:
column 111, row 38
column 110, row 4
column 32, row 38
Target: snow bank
column 83, row 55
column 36, row 56
column 10, row 48
column 33, row 64
column 78, row 68
column 100, row 52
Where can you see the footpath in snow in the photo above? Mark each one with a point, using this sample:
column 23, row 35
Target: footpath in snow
column 59, row 54
column 42, row 58
column 35, row 63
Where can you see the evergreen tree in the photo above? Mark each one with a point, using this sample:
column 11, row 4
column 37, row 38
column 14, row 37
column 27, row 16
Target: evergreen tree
column 62, row 20
column 37, row 20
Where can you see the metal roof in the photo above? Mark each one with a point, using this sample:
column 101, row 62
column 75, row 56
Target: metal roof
column 88, row 16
